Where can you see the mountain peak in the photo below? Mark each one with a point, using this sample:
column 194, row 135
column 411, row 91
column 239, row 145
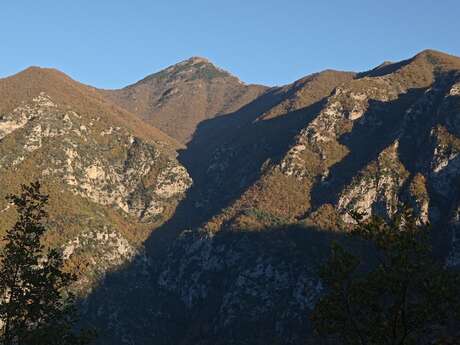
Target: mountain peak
column 197, row 59
column 427, row 58
column 432, row 52
column 198, row 67
column 37, row 71
column 194, row 68
column 438, row 58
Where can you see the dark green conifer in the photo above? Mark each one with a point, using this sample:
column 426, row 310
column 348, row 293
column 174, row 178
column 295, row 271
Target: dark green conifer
column 407, row 297
column 36, row 307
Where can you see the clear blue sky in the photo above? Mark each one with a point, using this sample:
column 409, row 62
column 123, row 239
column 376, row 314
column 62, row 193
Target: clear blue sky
column 111, row 43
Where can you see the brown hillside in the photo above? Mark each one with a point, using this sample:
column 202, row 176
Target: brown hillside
column 25, row 85
column 111, row 178
column 178, row 98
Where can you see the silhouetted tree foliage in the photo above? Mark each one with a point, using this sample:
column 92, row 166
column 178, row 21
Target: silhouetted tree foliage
column 406, row 298
column 36, row 307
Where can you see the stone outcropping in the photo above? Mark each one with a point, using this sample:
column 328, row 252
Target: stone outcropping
column 97, row 162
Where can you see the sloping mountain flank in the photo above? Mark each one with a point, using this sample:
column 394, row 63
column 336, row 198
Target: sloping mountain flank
column 111, row 178
column 179, row 97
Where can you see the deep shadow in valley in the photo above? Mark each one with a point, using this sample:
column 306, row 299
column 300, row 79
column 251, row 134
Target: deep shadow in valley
column 220, row 296
column 178, row 289
column 238, row 144
column 209, row 135
column 129, row 305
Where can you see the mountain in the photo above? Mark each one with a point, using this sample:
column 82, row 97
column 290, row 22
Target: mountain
column 223, row 210
column 272, row 185
column 374, row 116
column 111, row 178
column 27, row 84
column 176, row 99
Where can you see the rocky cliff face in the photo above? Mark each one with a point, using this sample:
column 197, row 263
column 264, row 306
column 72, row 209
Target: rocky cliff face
column 375, row 142
column 100, row 177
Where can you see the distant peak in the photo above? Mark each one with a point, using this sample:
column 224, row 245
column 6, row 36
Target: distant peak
column 436, row 57
column 194, row 68
column 431, row 52
column 36, row 72
column 197, row 59
column 194, row 60
column 40, row 68
column 33, row 68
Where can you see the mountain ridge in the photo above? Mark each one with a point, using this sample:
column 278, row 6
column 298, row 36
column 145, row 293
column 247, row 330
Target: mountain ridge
column 208, row 247
column 180, row 96
column 69, row 92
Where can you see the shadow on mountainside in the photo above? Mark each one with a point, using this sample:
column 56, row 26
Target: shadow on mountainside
column 196, row 159
column 189, row 287
column 382, row 124
column 131, row 297
column 385, row 68
column 376, row 130
column 224, row 168
column 421, row 141
column 424, row 116
column 246, row 144
column 234, row 287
